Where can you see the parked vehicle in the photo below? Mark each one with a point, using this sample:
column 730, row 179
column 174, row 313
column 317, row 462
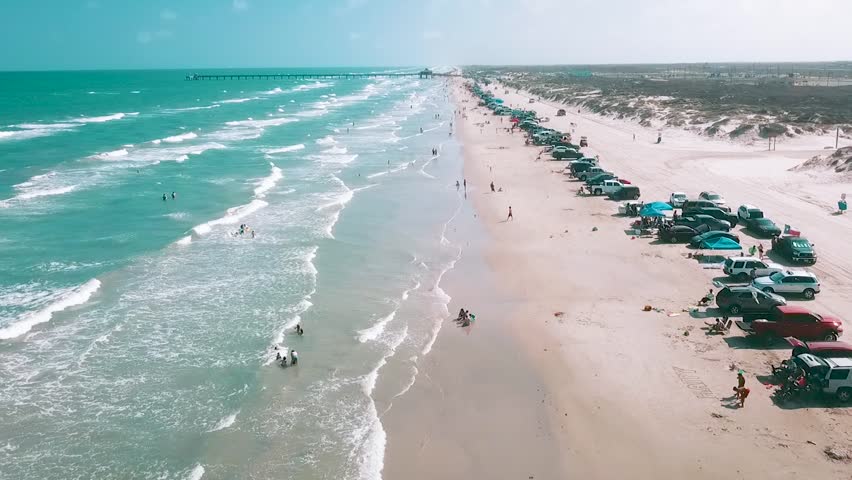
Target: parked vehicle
column 749, row 212
column 714, row 212
column 627, row 192
column 680, row 233
column 836, row 349
column 581, row 166
column 795, row 249
column 746, row 268
column 590, row 172
column 789, row 321
column 832, row 376
column 677, row 199
column 606, row 187
column 789, row 282
column 692, row 204
column 584, row 142
column 561, row 153
column 560, row 112
column 746, row 299
column 763, row 227
column 600, row 178
column 713, row 197
column 695, row 220
column 698, row 240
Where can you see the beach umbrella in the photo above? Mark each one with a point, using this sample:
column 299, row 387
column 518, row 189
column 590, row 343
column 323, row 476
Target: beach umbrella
column 498, row 100
column 720, row 243
column 649, row 211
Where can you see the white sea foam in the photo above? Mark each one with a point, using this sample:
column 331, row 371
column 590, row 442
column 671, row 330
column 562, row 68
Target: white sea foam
column 238, row 100
column 73, row 297
column 104, row 118
column 45, row 192
column 269, row 182
column 373, row 332
column 182, row 158
column 111, row 155
column 312, row 86
column 184, row 241
column 250, row 122
column 274, row 91
column 180, row 138
column 326, row 140
column 191, row 109
column 336, row 151
column 231, row 217
column 225, row 422
column 196, row 473
column 34, row 130
column 291, row 148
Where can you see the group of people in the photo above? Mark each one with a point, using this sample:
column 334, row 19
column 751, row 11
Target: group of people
column 174, row 196
column 740, row 391
column 434, row 152
column 465, row 318
column 293, row 359
column 245, row 230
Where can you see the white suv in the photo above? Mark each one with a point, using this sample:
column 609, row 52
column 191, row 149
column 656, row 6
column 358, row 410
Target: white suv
column 607, row 187
column 745, row 268
column 677, row 199
column 835, row 373
column 789, row 281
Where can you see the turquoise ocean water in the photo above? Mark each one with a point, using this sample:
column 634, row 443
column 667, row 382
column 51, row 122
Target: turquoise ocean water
column 138, row 335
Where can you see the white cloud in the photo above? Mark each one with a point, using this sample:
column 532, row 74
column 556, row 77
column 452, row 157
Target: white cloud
column 240, row 4
column 354, row 36
column 146, row 36
column 168, row 15
column 432, row 35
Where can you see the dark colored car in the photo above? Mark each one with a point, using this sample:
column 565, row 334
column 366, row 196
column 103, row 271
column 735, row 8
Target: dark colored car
column 820, row 349
column 627, row 192
column 696, row 220
column 714, row 212
column 566, row 154
column 680, row 233
column 788, row 321
column 695, row 241
column 693, row 204
column 580, row 167
column 763, row 227
column 599, row 178
column 795, row 249
column 747, row 299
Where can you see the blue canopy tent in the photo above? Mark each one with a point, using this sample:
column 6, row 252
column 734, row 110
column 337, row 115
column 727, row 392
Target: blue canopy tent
column 661, row 206
column 649, row 210
column 720, row 243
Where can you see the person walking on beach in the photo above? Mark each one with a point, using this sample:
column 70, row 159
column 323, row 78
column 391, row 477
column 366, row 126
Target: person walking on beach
column 492, row 187
column 510, row 217
column 742, row 394
column 760, row 250
column 457, row 185
column 294, row 357
column 465, row 184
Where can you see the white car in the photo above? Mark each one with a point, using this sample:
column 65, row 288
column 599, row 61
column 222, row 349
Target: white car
column 789, row 282
column 677, row 199
column 749, row 267
column 835, row 373
column 749, row 212
column 607, row 187
column 713, row 197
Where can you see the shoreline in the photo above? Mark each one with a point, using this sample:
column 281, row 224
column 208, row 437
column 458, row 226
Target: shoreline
column 621, row 393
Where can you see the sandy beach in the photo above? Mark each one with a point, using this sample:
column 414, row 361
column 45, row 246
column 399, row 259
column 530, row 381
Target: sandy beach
column 564, row 375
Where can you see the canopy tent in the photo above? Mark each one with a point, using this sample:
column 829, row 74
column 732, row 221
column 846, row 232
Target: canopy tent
column 498, row 100
column 661, row 206
column 649, row 211
column 720, row 243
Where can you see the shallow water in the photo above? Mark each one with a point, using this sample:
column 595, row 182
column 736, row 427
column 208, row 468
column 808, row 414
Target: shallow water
column 138, row 335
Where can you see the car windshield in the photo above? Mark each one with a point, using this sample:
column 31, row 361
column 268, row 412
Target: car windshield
column 764, row 222
column 714, row 196
column 801, row 244
column 756, row 214
column 679, row 196
column 776, row 277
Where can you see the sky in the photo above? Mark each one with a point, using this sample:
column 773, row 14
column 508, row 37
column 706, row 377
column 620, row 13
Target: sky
column 186, row 34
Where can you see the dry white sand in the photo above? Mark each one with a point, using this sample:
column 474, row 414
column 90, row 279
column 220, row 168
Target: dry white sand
column 627, row 394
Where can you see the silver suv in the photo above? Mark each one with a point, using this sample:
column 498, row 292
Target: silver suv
column 789, row 282
column 745, row 268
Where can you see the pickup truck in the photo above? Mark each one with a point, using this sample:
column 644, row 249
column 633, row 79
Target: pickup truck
column 607, row 187
column 789, row 321
column 795, row 249
column 590, row 172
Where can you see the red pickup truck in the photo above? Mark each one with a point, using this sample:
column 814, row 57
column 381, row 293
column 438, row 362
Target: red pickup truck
column 790, row 321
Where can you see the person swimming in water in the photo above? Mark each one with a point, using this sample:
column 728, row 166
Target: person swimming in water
column 174, row 195
column 294, row 357
column 164, row 197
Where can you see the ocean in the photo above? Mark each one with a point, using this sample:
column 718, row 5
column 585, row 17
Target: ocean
column 138, row 332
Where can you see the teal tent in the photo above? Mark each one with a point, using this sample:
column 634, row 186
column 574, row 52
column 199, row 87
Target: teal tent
column 661, row 206
column 649, row 211
column 720, row 243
